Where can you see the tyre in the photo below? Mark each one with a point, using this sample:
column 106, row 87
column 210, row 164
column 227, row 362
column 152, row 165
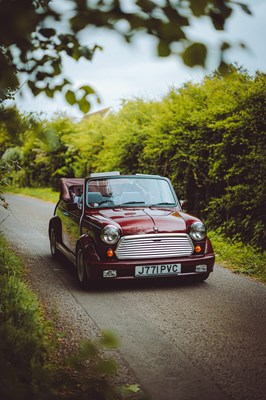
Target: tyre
column 81, row 268
column 53, row 242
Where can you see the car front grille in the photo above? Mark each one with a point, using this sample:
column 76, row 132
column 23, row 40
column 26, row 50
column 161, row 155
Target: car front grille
column 154, row 246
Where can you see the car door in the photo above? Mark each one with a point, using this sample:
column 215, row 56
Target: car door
column 69, row 214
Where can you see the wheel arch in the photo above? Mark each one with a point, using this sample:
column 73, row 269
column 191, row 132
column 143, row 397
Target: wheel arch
column 87, row 245
column 55, row 222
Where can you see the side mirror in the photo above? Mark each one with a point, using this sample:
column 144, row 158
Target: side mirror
column 184, row 205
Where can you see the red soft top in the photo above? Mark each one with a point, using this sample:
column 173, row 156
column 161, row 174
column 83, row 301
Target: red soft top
column 67, row 183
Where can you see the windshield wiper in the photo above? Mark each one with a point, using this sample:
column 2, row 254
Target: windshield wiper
column 130, row 202
column 106, row 201
column 163, row 204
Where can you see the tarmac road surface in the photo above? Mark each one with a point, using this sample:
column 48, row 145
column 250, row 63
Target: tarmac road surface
column 180, row 341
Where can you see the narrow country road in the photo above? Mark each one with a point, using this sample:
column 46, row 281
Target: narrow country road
column 180, row 341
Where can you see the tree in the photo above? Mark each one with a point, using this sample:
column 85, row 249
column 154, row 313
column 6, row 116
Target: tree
column 36, row 34
column 6, row 170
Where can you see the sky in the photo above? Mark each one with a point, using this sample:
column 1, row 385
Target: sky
column 122, row 71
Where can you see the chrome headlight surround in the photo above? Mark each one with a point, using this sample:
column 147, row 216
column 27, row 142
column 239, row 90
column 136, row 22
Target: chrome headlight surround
column 110, row 234
column 197, row 231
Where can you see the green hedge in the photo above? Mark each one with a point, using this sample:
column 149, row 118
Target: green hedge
column 208, row 137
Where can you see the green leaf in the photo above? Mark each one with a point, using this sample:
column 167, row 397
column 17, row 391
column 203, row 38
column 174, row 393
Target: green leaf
column 108, row 367
column 84, row 105
column 57, row 67
column 87, row 89
column 219, row 17
column 35, row 90
column 86, row 53
column 49, row 92
column 245, row 8
column 225, row 46
column 88, row 350
column 70, row 97
column 134, row 388
column 127, row 390
column 198, row 7
column 163, row 49
column 41, row 75
column 146, row 5
column 223, row 68
column 170, row 33
column 195, row 54
column 109, row 340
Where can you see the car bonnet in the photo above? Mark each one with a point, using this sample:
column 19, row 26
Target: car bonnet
column 134, row 220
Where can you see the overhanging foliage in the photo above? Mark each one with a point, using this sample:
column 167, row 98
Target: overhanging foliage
column 35, row 35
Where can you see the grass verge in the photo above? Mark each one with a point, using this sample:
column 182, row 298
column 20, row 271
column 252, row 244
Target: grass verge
column 24, row 335
column 240, row 258
column 32, row 365
column 46, row 194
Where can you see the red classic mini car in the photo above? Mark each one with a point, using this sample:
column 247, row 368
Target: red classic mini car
column 115, row 226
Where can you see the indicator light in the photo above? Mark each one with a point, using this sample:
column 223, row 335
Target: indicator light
column 197, row 249
column 110, row 253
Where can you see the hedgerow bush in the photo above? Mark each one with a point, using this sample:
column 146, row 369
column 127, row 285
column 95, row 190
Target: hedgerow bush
column 208, row 137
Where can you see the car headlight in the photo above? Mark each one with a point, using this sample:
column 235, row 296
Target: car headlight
column 110, row 234
column 197, row 231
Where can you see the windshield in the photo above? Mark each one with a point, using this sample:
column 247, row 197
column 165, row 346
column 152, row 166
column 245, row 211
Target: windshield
column 135, row 191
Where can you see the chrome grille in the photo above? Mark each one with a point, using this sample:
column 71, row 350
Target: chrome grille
column 154, row 246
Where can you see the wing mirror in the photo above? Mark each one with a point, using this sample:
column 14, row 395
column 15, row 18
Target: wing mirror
column 184, row 205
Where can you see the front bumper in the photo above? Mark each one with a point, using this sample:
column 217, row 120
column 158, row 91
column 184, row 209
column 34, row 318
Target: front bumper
column 126, row 269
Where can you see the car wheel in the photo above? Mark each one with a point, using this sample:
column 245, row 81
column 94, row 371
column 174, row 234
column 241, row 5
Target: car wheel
column 53, row 242
column 81, row 268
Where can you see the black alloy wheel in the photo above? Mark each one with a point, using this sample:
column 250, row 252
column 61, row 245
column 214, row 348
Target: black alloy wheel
column 81, row 268
column 53, row 243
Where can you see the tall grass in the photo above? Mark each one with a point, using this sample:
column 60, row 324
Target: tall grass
column 24, row 335
column 239, row 257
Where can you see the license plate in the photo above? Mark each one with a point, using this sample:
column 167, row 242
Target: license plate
column 157, row 270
